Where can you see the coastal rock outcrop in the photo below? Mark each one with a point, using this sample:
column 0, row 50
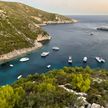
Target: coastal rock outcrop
column 94, row 105
column 43, row 38
column 82, row 96
column 104, row 28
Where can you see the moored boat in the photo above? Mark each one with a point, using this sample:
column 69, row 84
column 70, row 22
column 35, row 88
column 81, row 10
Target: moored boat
column 85, row 59
column 56, row 48
column 24, row 59
column 100, row 60
column 44, row 54
column 70, row 60
column 19, row 76
column 11, row 65
column 48, row 66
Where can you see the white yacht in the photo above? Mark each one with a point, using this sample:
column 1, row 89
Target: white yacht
column 24, row 59
column 19, row 76
column 56, row 48
column 11, row 65
column 70, row 60
column 100, row 60
column 44, row 54
column 48, row 66
column 85, row 59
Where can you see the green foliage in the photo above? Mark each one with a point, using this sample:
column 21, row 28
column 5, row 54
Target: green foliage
column 46, row 87
column 10, row 97
column 81, row 82
column 44, row 91
column 6, row 97
column 98, row 93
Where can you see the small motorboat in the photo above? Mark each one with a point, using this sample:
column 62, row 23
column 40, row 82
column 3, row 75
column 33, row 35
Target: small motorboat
column 70, row 60
column 56, row 48
column 11, row 65
column 100, row 60
column 48, row 66
column 44, row 54
column 24, row 59
column 85, row 59
column 19, row 76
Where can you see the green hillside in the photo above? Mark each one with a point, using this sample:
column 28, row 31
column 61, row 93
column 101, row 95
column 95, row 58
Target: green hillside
column 49, row 90
column 19, row 25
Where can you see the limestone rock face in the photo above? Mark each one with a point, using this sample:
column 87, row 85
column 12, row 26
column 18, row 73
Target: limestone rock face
column 94, row 105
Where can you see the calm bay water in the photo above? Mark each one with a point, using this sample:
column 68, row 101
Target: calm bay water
column 73, row 39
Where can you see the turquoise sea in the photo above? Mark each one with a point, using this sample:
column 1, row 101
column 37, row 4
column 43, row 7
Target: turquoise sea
column 73, row 39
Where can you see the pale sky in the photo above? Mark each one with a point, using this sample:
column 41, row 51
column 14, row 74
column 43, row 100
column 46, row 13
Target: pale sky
column 69, row 7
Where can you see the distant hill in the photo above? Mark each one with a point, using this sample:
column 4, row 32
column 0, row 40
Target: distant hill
column 19, row 25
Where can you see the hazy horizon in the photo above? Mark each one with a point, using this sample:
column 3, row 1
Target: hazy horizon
column 69, row 7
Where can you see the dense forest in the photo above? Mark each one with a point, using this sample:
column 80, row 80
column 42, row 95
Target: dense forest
column 57, row 89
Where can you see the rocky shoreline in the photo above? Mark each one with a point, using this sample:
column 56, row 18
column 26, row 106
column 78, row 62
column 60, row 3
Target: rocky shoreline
column 41, row 38
column 17, row 53
column 58, row 22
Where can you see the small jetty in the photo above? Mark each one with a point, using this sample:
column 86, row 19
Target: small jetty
column 70, row 60
column 85, row 59
column 19, row 77
column 44, row 54
column 11, row 65
column 55, row 48
column 100, row 60
column 24, row 59
column 48, row 66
